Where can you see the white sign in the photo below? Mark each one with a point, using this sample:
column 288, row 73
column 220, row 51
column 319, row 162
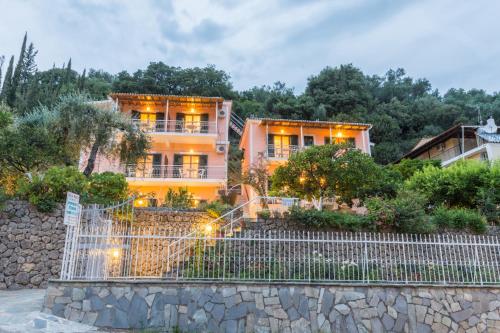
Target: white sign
column 72, row 210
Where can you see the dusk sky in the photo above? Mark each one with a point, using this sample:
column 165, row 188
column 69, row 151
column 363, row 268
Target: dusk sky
column 451, row 43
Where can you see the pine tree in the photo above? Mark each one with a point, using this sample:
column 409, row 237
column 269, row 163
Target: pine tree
column 16, row 77
column 7, row 82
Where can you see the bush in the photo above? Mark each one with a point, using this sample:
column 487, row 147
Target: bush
column 459, row 185
column 45, row 191
column 328, row 219
column 405, row 213
column 107, row 188
column 181, row 199
column 215, row 208
column 459, row 219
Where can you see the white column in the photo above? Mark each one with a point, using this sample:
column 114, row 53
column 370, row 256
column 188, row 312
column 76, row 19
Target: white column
column 301, row 138
column 331, row 140
column 216, row 117
column 250, row 138
column 166, row 115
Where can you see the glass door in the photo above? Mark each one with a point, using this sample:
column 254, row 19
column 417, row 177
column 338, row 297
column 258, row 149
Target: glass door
column 192, row 123
column 190, row 166
column 281, row 145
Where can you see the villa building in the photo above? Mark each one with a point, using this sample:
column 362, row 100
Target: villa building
column 274, row 140
column 189, row 144
column 460, row 142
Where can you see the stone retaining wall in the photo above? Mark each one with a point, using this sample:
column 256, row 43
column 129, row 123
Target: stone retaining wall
column 31, row 245
column 276, row 308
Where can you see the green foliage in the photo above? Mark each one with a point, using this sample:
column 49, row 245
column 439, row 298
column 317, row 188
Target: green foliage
column 181, row 199
column 329, row 219
column 459, row 219
column 107, row 188
column 404, row 213
column 215, row 208
column 458, row 185
column 328, row 171
column 408, row 167
column 45, row 191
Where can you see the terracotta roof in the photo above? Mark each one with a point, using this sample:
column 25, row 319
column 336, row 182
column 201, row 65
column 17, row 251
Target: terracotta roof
column 312, row 123
column 162, row 98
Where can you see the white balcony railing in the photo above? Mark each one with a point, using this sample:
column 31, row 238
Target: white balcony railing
column 177, row 126
column 148, row 170
column 281, row 151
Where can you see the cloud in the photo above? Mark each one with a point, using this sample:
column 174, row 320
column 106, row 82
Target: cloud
column 453, row 44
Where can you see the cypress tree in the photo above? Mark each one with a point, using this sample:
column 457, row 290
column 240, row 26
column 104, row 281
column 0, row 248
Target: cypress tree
column 67, row 76
column 7, row 82
column 81, row 81
column 16, row 77
column 2, row 59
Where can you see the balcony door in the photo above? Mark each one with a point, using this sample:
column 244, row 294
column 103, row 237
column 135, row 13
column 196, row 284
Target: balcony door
column 282, row 145
column 190, row 166
column 192, row 123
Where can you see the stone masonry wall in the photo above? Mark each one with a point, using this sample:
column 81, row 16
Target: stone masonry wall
column 276, row 308
column 31, row 245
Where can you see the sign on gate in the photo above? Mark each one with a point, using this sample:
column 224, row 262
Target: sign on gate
column 72, row 210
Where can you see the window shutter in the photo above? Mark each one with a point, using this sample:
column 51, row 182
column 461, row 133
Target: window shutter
column 270, row 143
column 179, row 124
column 294, row 140
column 202, row 166
column 351, row 142
column 204, row 122
column 177, row 166
column 308, row 140
column 327, row 140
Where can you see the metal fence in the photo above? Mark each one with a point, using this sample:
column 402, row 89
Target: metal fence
column 218, row 253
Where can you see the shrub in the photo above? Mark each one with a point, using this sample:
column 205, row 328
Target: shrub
column 3, row 197
column 215, row 208
column 181, row 199
column 329, row 219
column 264, row 214
column 405, row 213
column 45, row 191
column 408, row 167
column 107, row 188
column 458, row 185
column 459, row 219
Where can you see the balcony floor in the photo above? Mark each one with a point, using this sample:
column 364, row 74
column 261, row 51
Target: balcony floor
column 177, row 181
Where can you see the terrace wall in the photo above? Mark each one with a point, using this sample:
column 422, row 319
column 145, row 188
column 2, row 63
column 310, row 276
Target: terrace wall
column 200, row 307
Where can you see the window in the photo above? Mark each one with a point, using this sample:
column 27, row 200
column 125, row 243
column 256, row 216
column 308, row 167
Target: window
column 192, row 123
column 190, row 166
column 350, row 141
column 308, row 140
column 282, row 145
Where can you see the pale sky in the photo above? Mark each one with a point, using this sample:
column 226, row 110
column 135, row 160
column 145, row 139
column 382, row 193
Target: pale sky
column 452, row 43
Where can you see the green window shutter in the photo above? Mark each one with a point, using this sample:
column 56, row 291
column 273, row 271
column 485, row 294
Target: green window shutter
column 308, row 140
column 351, row 142
column 177, row 168
column 294, row 140
column 327, row 140
column 204, row 122
column 270, row 147
column 160, row 121
column 202, row 166
column 156, row 167
column 179, row 124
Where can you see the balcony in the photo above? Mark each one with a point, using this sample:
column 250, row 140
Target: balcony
column 149, row 173
column 281, row 152
column 177, row 126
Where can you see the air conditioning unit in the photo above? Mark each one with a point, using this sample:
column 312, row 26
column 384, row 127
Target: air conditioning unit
column 222, row 113
column 220, row 149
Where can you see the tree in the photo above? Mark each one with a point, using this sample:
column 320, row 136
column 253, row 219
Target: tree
column 257, row 177
column 7, row 83
column 327, row 171
column 16, row 77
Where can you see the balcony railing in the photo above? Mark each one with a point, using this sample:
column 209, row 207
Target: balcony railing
column 177, row 126
column 147, row 170
column 281, row 151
